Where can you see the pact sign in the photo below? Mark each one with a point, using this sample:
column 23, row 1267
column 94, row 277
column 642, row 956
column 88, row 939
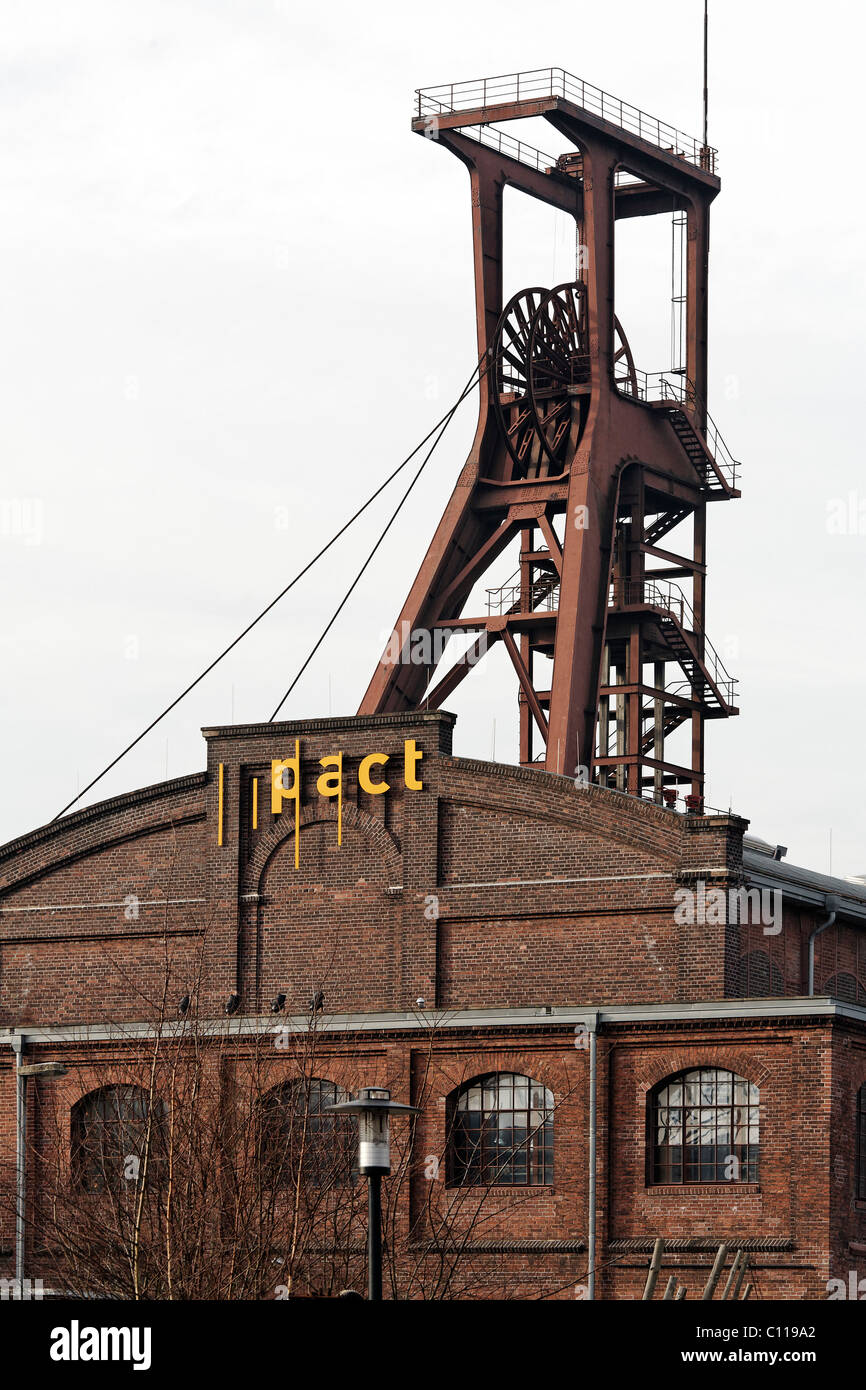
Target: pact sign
column 372, row 778
column 373, row 773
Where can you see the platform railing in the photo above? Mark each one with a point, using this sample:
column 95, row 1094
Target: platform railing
column 491, row 137
column 677, row 389
column 507, row 597
column 537, row 83
column 669, row 597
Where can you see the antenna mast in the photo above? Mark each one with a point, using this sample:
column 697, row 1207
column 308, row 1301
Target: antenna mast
column 706, row 91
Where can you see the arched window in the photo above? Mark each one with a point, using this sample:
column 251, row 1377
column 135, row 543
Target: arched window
column 703, row 1127
column 501, row 1132
column 860, row 1176
column 758, row 977
column 297, row 1132
column 113, row 1145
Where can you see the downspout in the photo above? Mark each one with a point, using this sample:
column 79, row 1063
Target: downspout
column 831, row 902
column 20, row 1156
column 592, row 1025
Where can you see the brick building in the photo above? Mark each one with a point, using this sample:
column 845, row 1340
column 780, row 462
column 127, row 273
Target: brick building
column 567, row 979
column 618, row 1020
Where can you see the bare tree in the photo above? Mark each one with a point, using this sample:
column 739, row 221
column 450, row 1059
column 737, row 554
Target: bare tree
column 201, row 1162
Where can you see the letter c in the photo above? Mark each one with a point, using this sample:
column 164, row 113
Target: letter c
column 374, row 788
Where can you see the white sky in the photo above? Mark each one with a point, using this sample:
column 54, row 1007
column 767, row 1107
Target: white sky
column 234, row 283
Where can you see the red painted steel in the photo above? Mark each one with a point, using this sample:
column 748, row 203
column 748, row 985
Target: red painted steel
column 579, row 458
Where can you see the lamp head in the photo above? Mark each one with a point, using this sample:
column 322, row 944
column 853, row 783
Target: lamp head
column 374, row 1107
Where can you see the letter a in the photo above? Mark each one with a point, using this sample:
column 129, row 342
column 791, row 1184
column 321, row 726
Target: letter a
column 330, row 784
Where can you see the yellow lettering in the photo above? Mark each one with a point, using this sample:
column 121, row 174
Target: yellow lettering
column 331, row 784
column 374, row 788
column 412, row 756
column 280, row 767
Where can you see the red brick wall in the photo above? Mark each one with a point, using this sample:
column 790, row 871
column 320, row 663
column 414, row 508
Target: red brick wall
column 797, row 1201
column 451, row 894
column 343, row 941
column 388, row 917
column 790, row 1066
column 847, row 1212
column 97, row 911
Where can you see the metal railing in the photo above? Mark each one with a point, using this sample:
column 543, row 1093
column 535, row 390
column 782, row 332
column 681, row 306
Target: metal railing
column 506, row 598
column 669, row 597
column 678, row 390
column 494, row 139
column 654, row 593
column 682, row 688
column 556, row 82
column 672, row 800
column 499, row 140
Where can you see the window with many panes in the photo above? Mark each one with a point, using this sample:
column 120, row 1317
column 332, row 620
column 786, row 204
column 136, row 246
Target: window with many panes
column 296, row 1131
column 114, row 1144
column 501, row 1132
column 704, row 1127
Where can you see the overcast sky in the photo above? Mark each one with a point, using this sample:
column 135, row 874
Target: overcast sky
column 237, row 290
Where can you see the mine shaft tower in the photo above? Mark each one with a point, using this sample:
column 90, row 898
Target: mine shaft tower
column 589, row 461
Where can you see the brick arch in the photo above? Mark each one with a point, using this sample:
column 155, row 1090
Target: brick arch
column 293, row 1079
column 333, row 925
column 750, row 963
column 543, row 1071
column 734, row 1059
column 277, row 835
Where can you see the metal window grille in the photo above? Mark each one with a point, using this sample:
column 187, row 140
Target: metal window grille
column 501, row 1133
column 110, row 1139
column 704, row 1127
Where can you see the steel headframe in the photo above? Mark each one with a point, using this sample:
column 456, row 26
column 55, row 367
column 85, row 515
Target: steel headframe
column 585, row 461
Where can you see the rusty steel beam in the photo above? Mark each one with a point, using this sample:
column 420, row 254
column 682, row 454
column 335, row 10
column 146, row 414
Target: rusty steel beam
column 459, row 670
column 525, row 682
column 651, row 162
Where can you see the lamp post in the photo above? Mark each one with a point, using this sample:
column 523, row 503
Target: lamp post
column 374, row 1107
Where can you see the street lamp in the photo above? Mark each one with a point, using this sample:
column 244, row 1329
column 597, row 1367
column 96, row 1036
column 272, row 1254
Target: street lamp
column 374, row 1108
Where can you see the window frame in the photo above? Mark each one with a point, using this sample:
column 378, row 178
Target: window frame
column 473, row 1168
column 90, row 1162
column 659, row 1175
column 283, row 1099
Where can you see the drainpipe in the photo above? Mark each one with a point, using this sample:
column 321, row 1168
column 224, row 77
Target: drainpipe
column 592, row 1025
column 831, row 902
column 20, row 1156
